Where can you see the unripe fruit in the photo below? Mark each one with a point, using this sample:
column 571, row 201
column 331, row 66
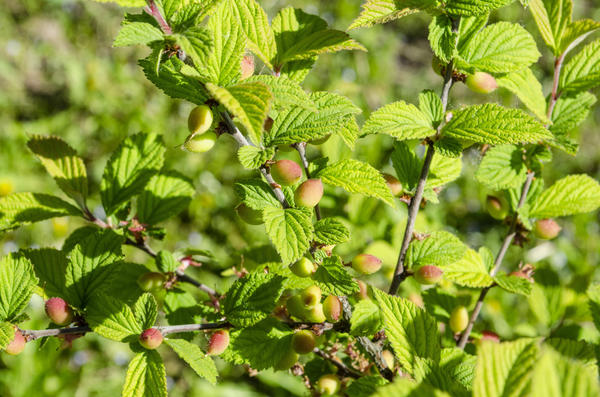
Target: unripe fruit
column 546, row 229
column 497, row 207
column 218, row 342
column 459, row 319
column 315, row 314
column 481, row 82
column 328, row 385
column 200, row 143
column 17, row 345
column 428, row 275
column 311, row 295
column 436, row 65
column 388, row 357
column 58, row 311
column 151, row 281
column 286, row 172
column 290, row 358
column 249, row 215
column 363, row 291
column 394, row 184
column 295, row 307
column 6, row 187
column 303, row 341
column 303, row 268
column 151, row 338
column 309, row 193
column 332, row 308
column 366, row 264
column 491, row 336
column 200, row 119
column 247, row 66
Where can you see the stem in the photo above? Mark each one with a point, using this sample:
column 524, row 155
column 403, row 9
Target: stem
column 301, row 148
column 153, row 10
column 173, row 329
column 344, row 369
column 42, row 333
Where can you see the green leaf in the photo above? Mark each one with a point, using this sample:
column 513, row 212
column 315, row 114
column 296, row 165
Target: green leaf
column 129, row 169
column 290, row 230
column 261, row 346
column 499, row 48
column 357, row 177
column 582, row 72
column 474, row 7
column 125, row 3
column 411, row 331
column 333, row 279
column 570, row 111
column 407, row 165
column 63, row 164
column 135, row 31
column 256, row 194
column 552, row 18
column 17, row 281
column 471, row 271
column 112, row 319
column 7, row 334
column 502, row 168
column 468, row 28
column 583, row 352
column 50, row 266
column 166, row 262
column 248, row 102
column 504, row 368
column 197, row 43
column 442, row 38
column 430, row 105
column 23, row 208
column 439, row 249
column 528, row 89
column 286, row 92
column 576, row 32
column 379, row 12
column 366, row 319
column 252, row 157
column 166, row 194
column 516, row 285
column 403, row 387
column 443, row 170
column 493, row 124
column 145, row 311
column 252, row 298
column 573, row 194
column 593, row 293
column 401, row 120
column 458, row 366
column 365, row 386
column 146, row 376
column 202, row 364
column 255, row 26
column 330, row 231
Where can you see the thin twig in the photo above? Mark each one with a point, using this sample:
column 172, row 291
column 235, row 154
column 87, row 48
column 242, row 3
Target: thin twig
column 153, row 10
column 344, row 369
column 301, row 148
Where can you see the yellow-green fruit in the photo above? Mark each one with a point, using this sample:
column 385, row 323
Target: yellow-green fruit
column 315, row 314
column 363, row 290
column 332, row 308
column 328, row 385
column 303, row 341
column 481, row 82
column 303, row 268
column 201, row 143
column 394, row 184
column 296, row 307
column 311, row 295
column 151, row 281
column 497, row 207
column 366, row 264
column 428, row 275
column 287, row 361
column 249, row 215
column 459, row 319
column 309, row 193
column 6, row 187
column 200, row 119
column 388, row 357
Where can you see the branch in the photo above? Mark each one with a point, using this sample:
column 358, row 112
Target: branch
column 344, row 369
column 153, row 10
column 301, row 148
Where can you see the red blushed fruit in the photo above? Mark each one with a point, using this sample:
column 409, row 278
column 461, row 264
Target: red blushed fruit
column 286, row 172
column 363, row 290
column 17, row 345
column 58, row 311
column 309, row 193
column 481, row 82
column 218, row 342
column 303, row 341
column 428, row 275
column 394, row 184
column 366, row 264
column 332, row 308
column 491, row 336
column 497, row 207
column 546, row 229
column 247, row 66
column 151, row 338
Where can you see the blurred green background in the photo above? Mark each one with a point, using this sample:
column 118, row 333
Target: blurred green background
column 60, row 75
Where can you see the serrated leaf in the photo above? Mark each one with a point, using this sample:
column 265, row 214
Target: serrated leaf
column 576, row 32
column 330, row 231
column 516, row 285
column 333, row 279
column 468, row 28
column 197, row 43
column 401, row 120
column 474, row 7
column 202, row 364
column 17, row 281
column 166, row 194
column 252, row 298
column 593, row 293
column 407, row 165
column 552, row 18
column 112, row 319
column 125, row 3
column 166, row 262
column 471, row 271
column 458, row 366
column 379, row 12
column 23, row 208
column 430, row 105
column 582, row 72
column 366, row 319
column 145, row 310
column 7, row 334
column 573, row 194
column 256, row 194
column 252, row 157
column 134, row 31
column 129, row 169
column 494, row 124
column 439, row 249
column 583, row 352
column 443, row 170
column 411, row 331
column 403, row 387
column 248, row 102
column 499, row 48
column 502, row 168
column 528, row 89
column 146, row 376
column 290, row 230
column 570, row 111
column 357, row 177
column 442, row 38
column 50, row 266
column 286, row 92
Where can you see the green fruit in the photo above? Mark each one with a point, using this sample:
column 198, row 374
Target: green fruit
column 218, row 342
column 17, row 345
column 311, row 295
column 428, row 275
column 394, row 184
column 363, row 291
column 315, row 314
column 332, row 308
column 481, row 82
column 303, row 341
column 546, row 229
column 200, row 143
column 151, row 338
column 249, row 215
column 366, row 264
column 200, row 119
column 459, row 319
column 151, row 281
column 309, row 193
column 296, row 307
column 437, row 66
column 328, row 385
column 388, row 357
column 303, row 268
column 287, row 361
column 58, row 311
column 497, row 207
column 286, row 172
